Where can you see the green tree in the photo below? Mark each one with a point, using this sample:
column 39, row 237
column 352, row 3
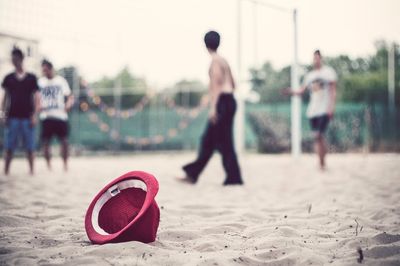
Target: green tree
column 268, row 82
column 71, row 74
column 187, row 92
column 130, row 83
column 133, row 88
column 362, row 79
column 366, row 80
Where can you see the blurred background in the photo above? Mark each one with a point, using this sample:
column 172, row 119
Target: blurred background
column 138, row 69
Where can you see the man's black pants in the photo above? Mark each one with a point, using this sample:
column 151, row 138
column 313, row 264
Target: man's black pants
column 219, row 136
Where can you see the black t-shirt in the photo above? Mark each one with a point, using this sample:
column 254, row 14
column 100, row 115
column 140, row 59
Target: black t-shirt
column 20, row 95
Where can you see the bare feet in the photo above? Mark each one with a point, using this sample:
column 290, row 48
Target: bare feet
column 322, row 168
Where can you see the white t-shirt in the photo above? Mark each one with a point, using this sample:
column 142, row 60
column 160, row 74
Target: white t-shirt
column 318, row 83
column 52, row 99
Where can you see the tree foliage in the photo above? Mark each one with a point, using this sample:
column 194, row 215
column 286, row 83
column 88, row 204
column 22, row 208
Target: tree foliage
column 362, row 79
column 268, row 81
column 187, row 92
column 124, row 79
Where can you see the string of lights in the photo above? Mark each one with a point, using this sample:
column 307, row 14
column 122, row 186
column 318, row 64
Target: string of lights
column 170, row 133
column 139, row 106
column 113, row 112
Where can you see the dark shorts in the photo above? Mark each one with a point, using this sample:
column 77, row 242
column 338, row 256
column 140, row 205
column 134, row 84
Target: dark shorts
column 54, row 127
column 319, row 123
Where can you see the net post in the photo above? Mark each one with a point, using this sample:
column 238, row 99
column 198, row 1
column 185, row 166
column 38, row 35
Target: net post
column 295, row 99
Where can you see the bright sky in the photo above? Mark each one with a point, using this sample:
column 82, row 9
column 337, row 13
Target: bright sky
column 162, row 40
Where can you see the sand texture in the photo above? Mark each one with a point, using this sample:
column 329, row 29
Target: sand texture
column 288, row 212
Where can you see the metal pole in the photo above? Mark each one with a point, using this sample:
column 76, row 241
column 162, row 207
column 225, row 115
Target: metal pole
column 391, row 78
column 295, row 100
column 187, row 93
column 76, row 118
column 239, row 120
column 116, row 118
column 151, row 116
column 255, row 32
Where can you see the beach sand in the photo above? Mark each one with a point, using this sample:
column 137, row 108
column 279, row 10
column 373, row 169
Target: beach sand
column 288, row 212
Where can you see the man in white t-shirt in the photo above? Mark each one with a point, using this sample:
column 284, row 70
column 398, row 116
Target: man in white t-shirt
column 321, row 83
column 56, row 101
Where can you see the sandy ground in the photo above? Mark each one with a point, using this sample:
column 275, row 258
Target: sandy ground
column 288, row 213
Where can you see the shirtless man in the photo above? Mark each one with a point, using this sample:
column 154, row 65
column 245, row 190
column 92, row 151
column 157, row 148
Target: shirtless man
column 219, row 131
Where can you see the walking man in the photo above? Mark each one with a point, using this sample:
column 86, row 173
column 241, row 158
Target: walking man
column 218, row 134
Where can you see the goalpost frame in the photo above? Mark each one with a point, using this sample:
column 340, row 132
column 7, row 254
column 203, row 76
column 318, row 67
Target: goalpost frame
column 295, row 116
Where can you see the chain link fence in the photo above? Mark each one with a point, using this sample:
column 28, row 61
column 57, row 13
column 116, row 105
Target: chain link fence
column 174, row 121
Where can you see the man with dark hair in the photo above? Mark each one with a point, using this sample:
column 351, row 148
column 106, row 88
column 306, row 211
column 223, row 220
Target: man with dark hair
column 56, row 101
column 212, row 39
column 218, row 134
column 321, row 82
column 20, row 105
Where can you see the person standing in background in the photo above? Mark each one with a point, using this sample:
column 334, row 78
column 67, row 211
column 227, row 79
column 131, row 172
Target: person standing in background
column 321, row 83
column 20, row 106
column 56, row 101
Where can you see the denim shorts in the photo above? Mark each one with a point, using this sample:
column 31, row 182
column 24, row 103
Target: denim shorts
column 16, row 129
